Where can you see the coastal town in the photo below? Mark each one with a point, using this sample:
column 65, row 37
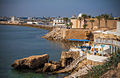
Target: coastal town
column 100, row 48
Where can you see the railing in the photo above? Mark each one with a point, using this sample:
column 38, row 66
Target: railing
column 107, row 41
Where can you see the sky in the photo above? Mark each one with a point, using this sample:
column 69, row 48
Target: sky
column 64, row 8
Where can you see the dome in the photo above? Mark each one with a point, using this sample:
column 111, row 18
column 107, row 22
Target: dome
column 80, row 15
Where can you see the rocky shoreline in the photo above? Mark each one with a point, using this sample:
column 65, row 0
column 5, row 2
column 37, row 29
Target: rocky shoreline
column 50, row 28
column 42, row 64
column 38, row 63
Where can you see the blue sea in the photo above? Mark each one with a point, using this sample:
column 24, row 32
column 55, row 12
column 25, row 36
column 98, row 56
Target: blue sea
column 18, row 42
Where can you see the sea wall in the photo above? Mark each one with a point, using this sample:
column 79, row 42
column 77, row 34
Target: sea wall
column 64, row 34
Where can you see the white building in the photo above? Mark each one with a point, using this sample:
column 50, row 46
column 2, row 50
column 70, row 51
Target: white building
column 29, row 22
column 58, row 22
column 13, row 18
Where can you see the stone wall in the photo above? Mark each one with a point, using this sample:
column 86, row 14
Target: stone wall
column 110, row 23
column 61, row 34
column 76, row 34
column 94, row 63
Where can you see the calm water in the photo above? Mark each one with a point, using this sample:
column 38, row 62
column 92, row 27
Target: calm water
column 18, row 42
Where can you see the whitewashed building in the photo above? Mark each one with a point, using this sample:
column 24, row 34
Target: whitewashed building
column 58, row 22
column 13, row 18
column 29, row 22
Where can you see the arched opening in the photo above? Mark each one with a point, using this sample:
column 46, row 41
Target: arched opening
column 68, row 61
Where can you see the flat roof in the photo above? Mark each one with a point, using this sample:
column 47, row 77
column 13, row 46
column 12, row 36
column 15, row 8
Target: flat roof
column 78, row 40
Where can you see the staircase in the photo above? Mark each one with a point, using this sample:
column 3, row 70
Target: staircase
column 73, row 65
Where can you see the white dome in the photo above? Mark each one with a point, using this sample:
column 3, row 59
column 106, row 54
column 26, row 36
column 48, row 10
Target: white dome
column 80, row 15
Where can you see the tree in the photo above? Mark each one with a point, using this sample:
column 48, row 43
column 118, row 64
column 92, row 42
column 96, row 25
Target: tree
column 89, row 16
column 84, row 16
column 90, row 36
column 84, row 26
column 98, row 18
column 65, row 19
column 71, row 24
column 67, row 26
column 106, row 17
column 92, row 22
column 80, row 21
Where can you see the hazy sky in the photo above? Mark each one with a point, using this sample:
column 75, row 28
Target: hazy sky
column 58, row 7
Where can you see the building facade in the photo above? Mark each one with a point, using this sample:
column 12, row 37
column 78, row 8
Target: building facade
column 95, row 25
column 58, row 22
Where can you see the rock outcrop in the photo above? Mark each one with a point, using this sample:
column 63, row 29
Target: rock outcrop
column 68, row 57
column 55, row 34
column 48, row 67
column 32, row 62
column 51, row 66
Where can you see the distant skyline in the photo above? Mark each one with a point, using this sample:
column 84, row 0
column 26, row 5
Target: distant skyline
column 58, row 7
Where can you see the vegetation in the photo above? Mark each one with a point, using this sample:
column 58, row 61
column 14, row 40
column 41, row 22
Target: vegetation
column 65, row 19
column 84, row 26
column 92, row 23
column 69, row 25
column 84, row 16
column 80, row 21
column 90, row 36
column 98, row 18
column 99, row 70
column 106, row 17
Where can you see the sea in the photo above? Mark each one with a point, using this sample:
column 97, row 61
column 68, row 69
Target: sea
column 18, row 42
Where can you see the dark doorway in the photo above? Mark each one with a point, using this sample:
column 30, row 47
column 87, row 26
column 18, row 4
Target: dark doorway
column 68, row 61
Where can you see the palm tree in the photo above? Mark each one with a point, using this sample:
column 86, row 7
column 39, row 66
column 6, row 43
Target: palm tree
column 71, row 24
column 92, row 23
column 98, row 18
column 65, row 19
column 84, row 26
column 106, row 17
column 84, row 16
column 67, row 26
column 80, row 21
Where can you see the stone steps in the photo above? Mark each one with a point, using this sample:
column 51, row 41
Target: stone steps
column 73, row 65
